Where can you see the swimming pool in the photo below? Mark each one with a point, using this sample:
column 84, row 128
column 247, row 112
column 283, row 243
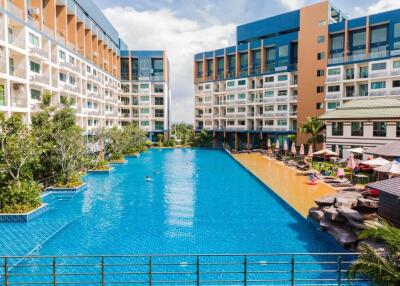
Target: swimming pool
column 199, row 201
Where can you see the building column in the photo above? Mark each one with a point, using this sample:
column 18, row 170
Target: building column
column 236, row 141
column 248, row 140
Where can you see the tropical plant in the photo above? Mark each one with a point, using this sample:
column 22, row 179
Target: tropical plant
column 20, row 197
column 136, row 138
column 203, row 139
column 184, row 133
column 381, row 268
column 313, row 127
column 118, row 143
column 160, row 138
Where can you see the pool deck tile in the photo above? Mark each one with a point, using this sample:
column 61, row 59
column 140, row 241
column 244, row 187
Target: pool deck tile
column 286, row 182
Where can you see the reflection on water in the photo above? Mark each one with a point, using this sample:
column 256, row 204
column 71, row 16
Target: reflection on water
column 179, row 178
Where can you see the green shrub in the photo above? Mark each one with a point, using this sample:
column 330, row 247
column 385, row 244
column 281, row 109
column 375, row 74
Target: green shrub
column 20, row 197
column 74, row 180
column 148, row 144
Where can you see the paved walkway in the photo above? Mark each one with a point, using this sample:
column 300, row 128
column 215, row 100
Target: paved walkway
column 289, row 184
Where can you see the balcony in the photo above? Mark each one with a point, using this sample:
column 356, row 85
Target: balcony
column 333, row 78
column 38, row 53
column 395, row 91
column 70, row 66
column 15, row 10
column 333, row 95
column 378, row 92
column 379, row 54
column 379, row 73
column 38, row 78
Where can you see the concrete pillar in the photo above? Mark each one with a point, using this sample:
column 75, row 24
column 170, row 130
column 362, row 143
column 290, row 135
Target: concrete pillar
column 248, row 140
column 236, row 141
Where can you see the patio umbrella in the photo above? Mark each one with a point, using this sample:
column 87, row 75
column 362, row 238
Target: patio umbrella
column 337, row 149
column 393, row 169
column 285, row 146
column 302, row 150
column 277, row 145
column 310, row 152
column 293, row 149
column 325, row 152
column 358, row 150
column 351, row 164
column 377, row 162
column 269, row 143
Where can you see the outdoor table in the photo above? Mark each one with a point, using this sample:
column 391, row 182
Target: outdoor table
column 361, row 177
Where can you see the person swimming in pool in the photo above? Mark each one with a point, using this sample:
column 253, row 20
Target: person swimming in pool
column 148, row 178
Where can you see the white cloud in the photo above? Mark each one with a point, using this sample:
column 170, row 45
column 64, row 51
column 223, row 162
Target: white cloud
column 379, row 6
column 180, row 37
column 292, row 4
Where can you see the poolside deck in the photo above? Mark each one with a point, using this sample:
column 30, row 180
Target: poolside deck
column 286, row 182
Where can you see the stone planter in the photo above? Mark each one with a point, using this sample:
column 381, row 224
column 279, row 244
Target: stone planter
column 61, row 189
column 23, row 217
column 132, row 155
column 122, row 162
column 108, row 171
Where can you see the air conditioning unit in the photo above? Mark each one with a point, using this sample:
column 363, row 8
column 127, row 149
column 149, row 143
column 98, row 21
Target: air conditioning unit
column 34, row 11
column 95, row 54
column 18, row 87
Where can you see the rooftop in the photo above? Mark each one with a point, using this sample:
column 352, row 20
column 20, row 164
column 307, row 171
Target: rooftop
column 385, row 107
column 391, row 149
column 391, row 186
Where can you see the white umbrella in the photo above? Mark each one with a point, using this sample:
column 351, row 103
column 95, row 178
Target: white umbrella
column 293, row 149
column 358, row 150
column 325, row 152
column 285, row 146
column 393, row 168
column 351, row 164
column 310, row 151
column 302, row 150
column 269, row 143
column 277, row 144
column 377, row 162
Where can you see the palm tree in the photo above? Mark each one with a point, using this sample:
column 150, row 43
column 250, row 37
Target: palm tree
column 313, row 126
column 381, row 268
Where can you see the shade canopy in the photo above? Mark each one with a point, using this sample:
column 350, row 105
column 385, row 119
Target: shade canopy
column 269, row 143
column 310, row 151
column 375, row 162
column 393, row 168
column 277, row 144
column 391, row 149
column 285, row 146
column 358, row 150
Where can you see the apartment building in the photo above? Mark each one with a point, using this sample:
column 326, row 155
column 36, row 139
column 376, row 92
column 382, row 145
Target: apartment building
column 291, row 66
column 69, row 48
column 367, row 122
column 269, row 82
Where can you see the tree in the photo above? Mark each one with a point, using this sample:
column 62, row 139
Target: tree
column 313, row 127
column 118, row 143
column 183, row 133
column 160, row 138
column 381, row 268
column 203, row 139
column 136, row 138
column 18, row 150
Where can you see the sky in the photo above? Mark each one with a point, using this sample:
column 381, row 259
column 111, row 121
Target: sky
column 186, row 27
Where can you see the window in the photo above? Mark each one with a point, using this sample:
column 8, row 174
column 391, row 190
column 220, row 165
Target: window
column 322, row 23
column 88, row 69
column 363, row 72
column 282, row 122
column 10, row 34
column 71, row 60
column 283, row 51
column 2, row 98
column 282, row 107
column 379, row 129
column 359, row 39
column 159, row 113
column 271, row 54
column 144, row 86
column 35, row 94
column 378, row 66
column 334, row 71
column 378, row 35
column 396, row 83
column 357, row 129
column 282, row 77
column 282, row 92
column 159, row 101
column 321, row 56
column 269, row 123
column 337, row 128
column 241, row 109
column 34, row 40
column 230, row 123
column 241, row 96
column 320, row 39
column 62, row 55
column 34, row 67
column 378, row 85
column 242, row 82
column 396, row 64
column 397, row 30
column 320, row 89
column 268, row 108
column 269, row 79
column 230, row 110
column 337, row 42
column 320, row 73
column 398, row 129
column 319, row 105
column 159, row 88
column 333, row 105
column 230, row 83
column 63, row 77
column 145, row 123
column 334, row 88
column 230, row 97
column 159, row 125
column 269, row 93
column 144, row 98
column 72, row 80
column 363, row 90
column 145, row 110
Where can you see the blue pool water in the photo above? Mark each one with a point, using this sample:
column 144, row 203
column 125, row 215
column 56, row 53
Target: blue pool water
column 199, row 201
